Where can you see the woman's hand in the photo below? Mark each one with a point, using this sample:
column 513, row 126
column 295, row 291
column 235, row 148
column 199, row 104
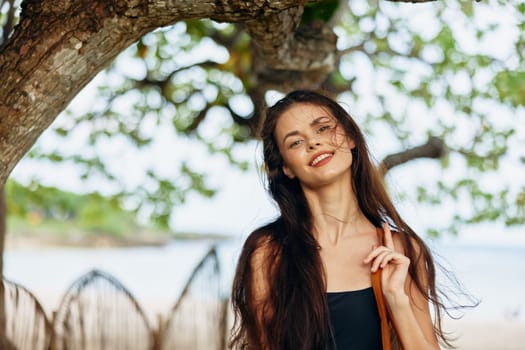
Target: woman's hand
column 408, row 307
column 394, row 265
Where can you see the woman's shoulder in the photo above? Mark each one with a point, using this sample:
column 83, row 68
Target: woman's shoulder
column 263, row 240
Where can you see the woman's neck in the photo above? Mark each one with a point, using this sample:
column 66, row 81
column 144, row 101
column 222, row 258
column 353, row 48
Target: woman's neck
column 335, row 212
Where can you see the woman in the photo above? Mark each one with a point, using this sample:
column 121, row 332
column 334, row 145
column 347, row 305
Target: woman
column 304, row 281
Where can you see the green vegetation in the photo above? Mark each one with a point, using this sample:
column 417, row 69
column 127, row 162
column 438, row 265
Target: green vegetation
column 54, row 209
column 62, row 217
column 410, row 72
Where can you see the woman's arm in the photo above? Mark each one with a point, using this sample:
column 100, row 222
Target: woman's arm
column 408, row 306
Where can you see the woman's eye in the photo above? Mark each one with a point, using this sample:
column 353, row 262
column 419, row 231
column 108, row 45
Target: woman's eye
column 324, row 128
column 295, row 143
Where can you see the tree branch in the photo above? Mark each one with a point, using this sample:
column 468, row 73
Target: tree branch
column 164, row 83
column 284, row 45
column 52, row 55
column 333, row 89
column 360, row 47
column 8, row 26
column 200, row 117
column 289, row 55
column 434, row 148
column 226, row 41
column 240, row 120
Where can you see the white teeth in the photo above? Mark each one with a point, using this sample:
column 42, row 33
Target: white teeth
column 320, row 158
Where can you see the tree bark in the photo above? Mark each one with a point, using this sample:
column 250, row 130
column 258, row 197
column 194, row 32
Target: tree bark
column 57, row 48
column 311, row 55
column 434, row 148
column 292, row 56
column 3, row 228
column 3, row 213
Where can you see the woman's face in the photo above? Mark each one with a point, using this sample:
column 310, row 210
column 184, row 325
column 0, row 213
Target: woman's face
column 314, row 147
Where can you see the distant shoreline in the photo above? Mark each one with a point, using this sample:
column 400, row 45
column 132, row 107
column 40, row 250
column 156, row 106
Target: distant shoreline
column 89, row 240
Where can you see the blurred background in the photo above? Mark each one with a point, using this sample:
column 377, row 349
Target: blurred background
column 156, row 160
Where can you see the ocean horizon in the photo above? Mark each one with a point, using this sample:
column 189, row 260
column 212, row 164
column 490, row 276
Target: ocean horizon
column 490, row 272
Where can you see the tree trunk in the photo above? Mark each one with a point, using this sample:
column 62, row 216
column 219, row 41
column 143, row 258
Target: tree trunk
column 3, row 218
column 59, row 46
column 3, row 215
column 290, row 56
column 53, row 54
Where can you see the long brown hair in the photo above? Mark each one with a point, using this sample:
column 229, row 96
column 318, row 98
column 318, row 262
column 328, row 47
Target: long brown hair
column 299, row 317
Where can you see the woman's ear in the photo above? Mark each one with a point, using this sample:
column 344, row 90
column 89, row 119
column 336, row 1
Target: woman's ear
column 288, row 172
column 351, row 144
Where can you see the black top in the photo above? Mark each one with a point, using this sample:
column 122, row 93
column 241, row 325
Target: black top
column 355, row 320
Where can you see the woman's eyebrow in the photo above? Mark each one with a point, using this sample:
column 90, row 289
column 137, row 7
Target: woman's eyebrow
column 319, row 120
column 291, row 133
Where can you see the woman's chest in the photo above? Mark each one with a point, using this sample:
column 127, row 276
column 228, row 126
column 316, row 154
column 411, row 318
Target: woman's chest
column 344, row 267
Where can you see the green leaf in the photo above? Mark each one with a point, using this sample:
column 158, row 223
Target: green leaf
column 511, row 87
column 321, row 10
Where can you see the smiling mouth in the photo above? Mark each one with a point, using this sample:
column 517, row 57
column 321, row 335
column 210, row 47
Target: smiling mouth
column 317, row 160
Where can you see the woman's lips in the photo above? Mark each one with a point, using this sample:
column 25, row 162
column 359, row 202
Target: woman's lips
column 321, row 159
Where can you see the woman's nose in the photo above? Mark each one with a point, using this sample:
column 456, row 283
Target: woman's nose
column 314, row 144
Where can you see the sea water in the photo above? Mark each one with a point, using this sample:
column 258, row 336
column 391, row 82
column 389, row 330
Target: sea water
column 493, row 274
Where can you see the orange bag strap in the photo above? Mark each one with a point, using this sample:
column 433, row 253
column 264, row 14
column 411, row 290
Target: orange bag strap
column 380, row 300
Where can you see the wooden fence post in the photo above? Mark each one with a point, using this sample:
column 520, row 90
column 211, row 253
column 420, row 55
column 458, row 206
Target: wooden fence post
column 224, row 324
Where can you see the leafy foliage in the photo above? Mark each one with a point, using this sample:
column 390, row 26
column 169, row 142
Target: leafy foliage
column 321, row 11
column 90, row 212
column 407, row 71
column 435, row 74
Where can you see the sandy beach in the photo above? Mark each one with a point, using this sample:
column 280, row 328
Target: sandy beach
column 475, row 334
column 470, row 333
column 155, row 274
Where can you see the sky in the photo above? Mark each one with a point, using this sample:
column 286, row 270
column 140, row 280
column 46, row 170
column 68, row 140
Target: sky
column 242, row 203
